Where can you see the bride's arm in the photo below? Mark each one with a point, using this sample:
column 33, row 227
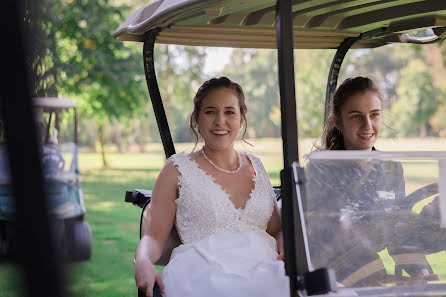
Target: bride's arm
column 161, row 216
column 274, row 229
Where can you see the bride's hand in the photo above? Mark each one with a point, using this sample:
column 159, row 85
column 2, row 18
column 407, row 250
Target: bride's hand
column 281, row 256
column 146, row 276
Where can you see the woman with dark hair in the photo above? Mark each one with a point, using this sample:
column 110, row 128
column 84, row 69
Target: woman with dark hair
column 354, row 119
column 355, row 208
column 224, row 209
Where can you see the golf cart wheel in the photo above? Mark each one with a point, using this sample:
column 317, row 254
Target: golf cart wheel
column 79, row 242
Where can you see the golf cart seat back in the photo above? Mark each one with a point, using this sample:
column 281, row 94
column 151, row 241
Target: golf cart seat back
column 141, row 198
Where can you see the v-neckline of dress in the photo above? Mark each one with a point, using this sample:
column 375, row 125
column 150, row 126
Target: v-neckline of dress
column 224, row 192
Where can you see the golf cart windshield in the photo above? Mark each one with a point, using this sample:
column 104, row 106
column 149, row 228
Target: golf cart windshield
column 59, row 158
column 377, row 218
column 59, row 162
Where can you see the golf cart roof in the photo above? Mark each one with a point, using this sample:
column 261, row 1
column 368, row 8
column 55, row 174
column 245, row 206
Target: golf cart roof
column 317, row 23
column 53, row 104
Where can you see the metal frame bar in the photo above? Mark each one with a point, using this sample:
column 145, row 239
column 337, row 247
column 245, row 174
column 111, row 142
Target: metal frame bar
column 294, row 247
column 158, row 107
column 284, row 31
column 333, row 74
column 48, row 127
column 76, row 136
column 155, row 96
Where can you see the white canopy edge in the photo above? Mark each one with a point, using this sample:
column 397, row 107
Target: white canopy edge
column 51, row 103
column 150, row 15
column 319, row 24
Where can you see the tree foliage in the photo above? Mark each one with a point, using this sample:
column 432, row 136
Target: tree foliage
column 86, row 62
column 417, row 99
column 76, row 56
column 179, row 74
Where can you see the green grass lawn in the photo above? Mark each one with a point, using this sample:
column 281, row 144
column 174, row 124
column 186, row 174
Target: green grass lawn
column 115, row 224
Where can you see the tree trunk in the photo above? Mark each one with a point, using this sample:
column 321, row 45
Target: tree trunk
column 139, row 138
column 101, row 142
column 117, row 136
column 90, row 136
column 423, row 130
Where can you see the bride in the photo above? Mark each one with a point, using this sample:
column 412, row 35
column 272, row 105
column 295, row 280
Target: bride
column 223, row 207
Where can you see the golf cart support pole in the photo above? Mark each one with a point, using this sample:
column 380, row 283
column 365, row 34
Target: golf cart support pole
column 291, row 230
column 155, row 96
column 47, row 134
column 76, row 136
column 158, row 107
column 296, row 250
column 333, row 74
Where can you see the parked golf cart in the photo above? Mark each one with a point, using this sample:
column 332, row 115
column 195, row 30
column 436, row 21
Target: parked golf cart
column 61, row 178
column 286, row 25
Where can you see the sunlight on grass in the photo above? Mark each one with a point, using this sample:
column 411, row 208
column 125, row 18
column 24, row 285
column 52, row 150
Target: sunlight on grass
column 103, row 206
column 419, row 206
column 438, row 263
column 389, row 264
column 436, row 260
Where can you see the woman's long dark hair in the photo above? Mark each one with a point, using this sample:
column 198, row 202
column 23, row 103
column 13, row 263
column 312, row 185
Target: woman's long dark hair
column 332, row 138
column 203, row 91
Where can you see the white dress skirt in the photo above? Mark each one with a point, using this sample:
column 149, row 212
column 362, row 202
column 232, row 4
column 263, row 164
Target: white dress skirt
column 229, row 264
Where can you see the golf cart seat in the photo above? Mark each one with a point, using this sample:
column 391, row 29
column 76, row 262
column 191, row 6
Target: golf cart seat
column 141, row 198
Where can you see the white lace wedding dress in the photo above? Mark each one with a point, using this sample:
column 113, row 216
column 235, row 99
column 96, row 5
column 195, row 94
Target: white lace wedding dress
column 226, row 251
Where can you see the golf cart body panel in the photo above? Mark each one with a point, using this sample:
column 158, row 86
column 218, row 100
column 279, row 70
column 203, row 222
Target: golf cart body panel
column 316, row 24
column 63, row 190
column 286, row 25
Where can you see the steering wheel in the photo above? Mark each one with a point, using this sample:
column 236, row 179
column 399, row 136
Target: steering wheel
column 384, row 279
column 420, row 194
column 410, row 256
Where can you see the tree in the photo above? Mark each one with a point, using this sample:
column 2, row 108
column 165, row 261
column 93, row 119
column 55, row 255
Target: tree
column 256, row 71
column 179, row 75
column 382, row 64
column 435, row 55
column 312, row 69
column 418, row 99
column 80, row 59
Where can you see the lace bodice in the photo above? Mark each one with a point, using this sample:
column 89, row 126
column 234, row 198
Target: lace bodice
column 204, row 208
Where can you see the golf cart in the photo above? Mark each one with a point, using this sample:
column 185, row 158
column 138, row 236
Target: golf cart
column 61, row 178
column 325, row 24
